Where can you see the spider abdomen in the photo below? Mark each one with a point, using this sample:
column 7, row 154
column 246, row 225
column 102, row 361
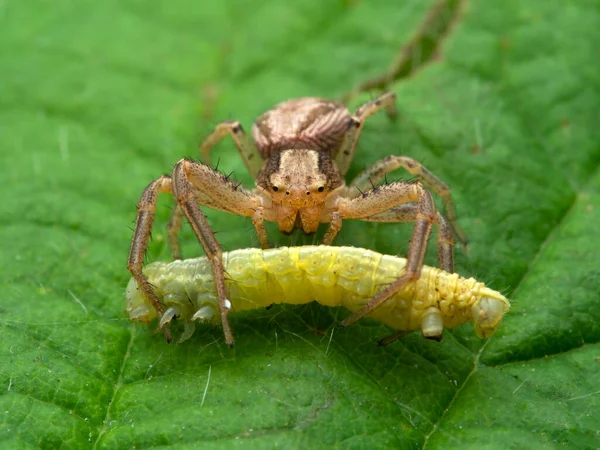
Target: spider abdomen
column 302, row 123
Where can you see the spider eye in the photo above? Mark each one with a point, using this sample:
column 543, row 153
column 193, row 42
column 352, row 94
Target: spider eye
column 275, row 188
column 321, row 189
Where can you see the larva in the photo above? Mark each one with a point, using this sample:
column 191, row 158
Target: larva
column 331, row 276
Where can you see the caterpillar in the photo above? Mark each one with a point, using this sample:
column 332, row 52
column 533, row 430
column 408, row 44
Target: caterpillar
column 331, row 276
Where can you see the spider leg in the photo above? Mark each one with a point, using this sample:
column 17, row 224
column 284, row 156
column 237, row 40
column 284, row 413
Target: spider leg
column 345, row 154
column 212, row 188
column 408, row 213
column 387, row 340
column 187, row 202
column 433, row 326
column 146, row 208
column 173, row 230
column 378, row 171
column 194, row 183
column 379, row 200
column 250, row 154
column 175, row 220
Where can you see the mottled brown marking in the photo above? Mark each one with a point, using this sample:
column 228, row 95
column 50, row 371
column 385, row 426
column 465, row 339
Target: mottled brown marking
column 304, row 123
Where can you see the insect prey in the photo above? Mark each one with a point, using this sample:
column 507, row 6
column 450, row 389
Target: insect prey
column 331, row 276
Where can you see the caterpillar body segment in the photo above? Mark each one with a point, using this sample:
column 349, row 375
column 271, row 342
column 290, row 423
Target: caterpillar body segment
column 331, row 276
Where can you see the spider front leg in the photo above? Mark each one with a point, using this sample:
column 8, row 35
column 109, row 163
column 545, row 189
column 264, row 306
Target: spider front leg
column 345, row 154
column 177, row 214
column 374, row 174
column 445, row 236
column 377, row 201
column 250, row 154
column 173, row 231
column 432, row 327
column 146, row 209
column 195, row 183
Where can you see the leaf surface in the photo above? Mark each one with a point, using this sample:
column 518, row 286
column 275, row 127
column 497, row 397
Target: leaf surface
column 99, row 98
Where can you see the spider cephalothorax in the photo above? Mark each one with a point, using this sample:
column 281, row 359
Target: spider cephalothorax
column 300, row 152
column 298, row 183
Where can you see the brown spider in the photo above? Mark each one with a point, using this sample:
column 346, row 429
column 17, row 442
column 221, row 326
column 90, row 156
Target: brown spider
column 301, row 150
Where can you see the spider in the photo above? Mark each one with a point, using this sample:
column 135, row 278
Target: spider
column 300, row 152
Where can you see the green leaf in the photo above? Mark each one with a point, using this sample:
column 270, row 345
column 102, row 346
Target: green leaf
column 98, row 98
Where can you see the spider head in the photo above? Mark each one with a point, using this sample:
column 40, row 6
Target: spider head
column 299, row 178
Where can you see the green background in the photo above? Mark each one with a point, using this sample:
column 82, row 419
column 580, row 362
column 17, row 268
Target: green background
column 98, row 98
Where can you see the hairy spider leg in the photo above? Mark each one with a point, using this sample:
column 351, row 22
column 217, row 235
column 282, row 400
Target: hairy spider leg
column 146, row 209
column 375, row 173
column 379, row 200
column 173, row 228
column 408, row 213
column 192, row 182
column 386, row 101
column 445, row 247
column 245, row 145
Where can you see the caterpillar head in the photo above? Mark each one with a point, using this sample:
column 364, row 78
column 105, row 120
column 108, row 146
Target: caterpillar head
column 488, row 312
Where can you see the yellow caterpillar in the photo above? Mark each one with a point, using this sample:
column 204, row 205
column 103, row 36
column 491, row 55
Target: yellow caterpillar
column 331, row 276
